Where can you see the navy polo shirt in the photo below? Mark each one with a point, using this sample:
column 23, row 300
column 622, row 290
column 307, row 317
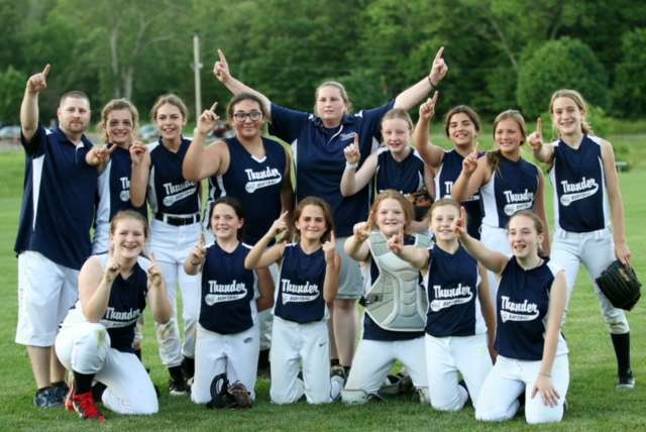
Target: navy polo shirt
column 319, row 159
column 58, row 198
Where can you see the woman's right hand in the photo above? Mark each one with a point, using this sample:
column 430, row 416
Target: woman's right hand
column 470, row 163
column 207, row 121
column 198, row 254
column 113, row 266
column 535, row 139
column 351, row 152
column 279, row 225
column 221, row 68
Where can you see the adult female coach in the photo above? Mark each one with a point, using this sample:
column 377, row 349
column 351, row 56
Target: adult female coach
column 588, row 208
column 318, row 141
column 95, row 341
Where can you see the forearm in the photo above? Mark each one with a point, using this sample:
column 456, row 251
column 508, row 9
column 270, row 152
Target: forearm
column 414, row 255
column 490, row 259
column 617, row 216
column 255, row 254
column 138, row 184
column 194, row 158
column 431, row 154
column 348, row 180
column 413, row 95
column 459, row 189
column 29, row 114
column 192, row 266
column 94, row 308
column 159, row 303
column 357, row 250
column 331, row 283
column 236, row 86
column 544, row 154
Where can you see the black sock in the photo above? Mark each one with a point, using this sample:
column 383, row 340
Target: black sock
column 621, row 343
column 82, row 382
column 97, row 391
column 346, row 370
column 59, row 384
column 334, row 362
column 176, row 373
column 188, row 367
column 263, row 359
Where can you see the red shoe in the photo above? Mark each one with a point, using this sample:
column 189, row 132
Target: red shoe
column 86, row 407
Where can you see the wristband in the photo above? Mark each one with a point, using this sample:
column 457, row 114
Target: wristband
column 349, row 165
column 430, row 82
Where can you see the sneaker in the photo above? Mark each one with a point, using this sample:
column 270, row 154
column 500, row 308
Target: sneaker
column 178, row 387
column 48, row 397
column 60, row 390
column 627, row 381
column 86, row 407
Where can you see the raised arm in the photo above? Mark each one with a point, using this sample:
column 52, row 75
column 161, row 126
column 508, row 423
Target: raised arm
column 200, row 161
column 413, row 95
column 195, row 260
column 475, row 172
column 558, row 299
column 415, row 255
column 95, row 286
column 490, row 259
column 432, row 154
column 223, row 74
column 29, row 107
column 354, row 180
column 622, row 251
column 260, row 255
column 140, row 172
column 542, row 152
column 355, row 246
column 332, row 269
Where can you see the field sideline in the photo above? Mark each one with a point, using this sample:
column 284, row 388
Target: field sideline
column 594, row 403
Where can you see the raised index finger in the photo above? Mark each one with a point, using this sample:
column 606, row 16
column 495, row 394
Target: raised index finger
column 223, row 59
column 440, row 53
column 539, row 126
column 213, row 107
column 46, row 70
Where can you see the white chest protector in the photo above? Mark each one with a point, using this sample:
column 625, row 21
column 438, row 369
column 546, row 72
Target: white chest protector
column 396, row 301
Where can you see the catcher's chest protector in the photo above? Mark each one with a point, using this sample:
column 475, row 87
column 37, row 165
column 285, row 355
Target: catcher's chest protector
column 396, row 301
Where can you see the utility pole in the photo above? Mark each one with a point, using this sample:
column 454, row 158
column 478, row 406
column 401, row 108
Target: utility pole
column 197, row 65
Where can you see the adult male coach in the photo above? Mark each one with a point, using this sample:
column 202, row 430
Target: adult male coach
column 54, row 233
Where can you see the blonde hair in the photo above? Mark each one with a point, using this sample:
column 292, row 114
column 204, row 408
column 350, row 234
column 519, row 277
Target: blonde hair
column 578, row 100
column 400, row 114
column 171, row 99
column 337, row 85
column 494, row 157
column 405, row 204
column 115, row 105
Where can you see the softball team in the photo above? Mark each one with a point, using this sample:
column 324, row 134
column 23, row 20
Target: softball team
column 428, row 306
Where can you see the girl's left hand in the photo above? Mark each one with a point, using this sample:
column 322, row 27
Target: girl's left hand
column 622, row 252
column 439, row 68
column 396, row 243
column 544, row 386
column 329, row 248
column 427, row 109
column 154, row 273
column 461, row 224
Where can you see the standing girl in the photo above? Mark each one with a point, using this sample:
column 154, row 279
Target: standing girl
column 462, row 126
column 309, row 272
column 460, row 322
column 95, row 340
column 588, row 209
column 507, row 183
column 530, row 304
column 175, row 229
column 395, row 166
column 394, row 298
column 228, row 331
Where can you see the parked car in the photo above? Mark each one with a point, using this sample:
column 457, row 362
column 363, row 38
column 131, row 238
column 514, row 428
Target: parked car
column 148, row 132
column 10, row 133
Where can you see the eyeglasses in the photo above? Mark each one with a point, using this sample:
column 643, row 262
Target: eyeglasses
column 241, row 116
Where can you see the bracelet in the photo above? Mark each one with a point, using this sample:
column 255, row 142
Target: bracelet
column 430, row 82
column 349, row 165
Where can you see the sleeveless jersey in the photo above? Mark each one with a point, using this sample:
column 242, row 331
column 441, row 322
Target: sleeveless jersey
column 452, row 287
column 512, row 187
column 405, row 177
column 581, row 198
column 256, row 183
column 522, row 304
column 299, row 296
column 168, row 190
column 227, row 305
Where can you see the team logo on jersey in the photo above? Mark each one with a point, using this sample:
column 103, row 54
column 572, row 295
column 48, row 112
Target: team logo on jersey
column 577, row 191
column 228, row 292
column 262, row 179
column 517, row 201
column 513, row 311
column 114, row 318
column 448, row 189
column 447, row 297
column 298, row 293
column 175, row 193
column 124, row 195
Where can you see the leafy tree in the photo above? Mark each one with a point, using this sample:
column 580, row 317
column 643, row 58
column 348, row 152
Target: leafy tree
column 12, row 86
column 629, row 91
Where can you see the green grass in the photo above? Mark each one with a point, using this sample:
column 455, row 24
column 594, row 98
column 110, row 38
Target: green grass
column 594, row 403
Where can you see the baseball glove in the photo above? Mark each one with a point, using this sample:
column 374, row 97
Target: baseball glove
column 620, row 285
column 224, row 395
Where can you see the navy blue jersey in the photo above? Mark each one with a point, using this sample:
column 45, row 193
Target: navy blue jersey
column 445, row 178
column 372, row 330
column 227, row 305
column 256, row 183
column 405, row 177
column 522, row 304
column 299, row 296
column 127, row 302
column 168, row 190
column 318, row 154
column 452, row 287
column 59, row 190
column 580, row 187
column 114, row 187
column 512, row 187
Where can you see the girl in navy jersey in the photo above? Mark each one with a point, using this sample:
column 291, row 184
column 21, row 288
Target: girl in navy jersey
column 462, row 126
column 309, row 272
column 394, row 299
column 228, row 331
column 588, row 208
column 318, row 140
column 395, row 166
column 460, row 322
column 530, row 303
column 95, row 341
column 507, row 183
column 175, row 229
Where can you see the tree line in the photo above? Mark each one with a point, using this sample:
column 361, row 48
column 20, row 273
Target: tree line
column 501, row 53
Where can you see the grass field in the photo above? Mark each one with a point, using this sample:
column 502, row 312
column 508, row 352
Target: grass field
column 594, row 402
